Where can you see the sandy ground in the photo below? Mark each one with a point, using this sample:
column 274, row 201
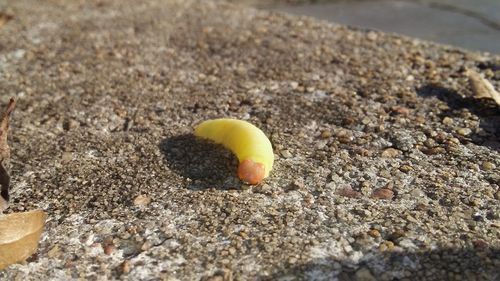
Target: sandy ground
column 386, row 167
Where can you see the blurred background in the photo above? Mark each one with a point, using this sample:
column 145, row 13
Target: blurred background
column 470, row 24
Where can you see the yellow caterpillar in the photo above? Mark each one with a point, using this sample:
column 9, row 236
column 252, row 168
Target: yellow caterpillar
column 247, row 142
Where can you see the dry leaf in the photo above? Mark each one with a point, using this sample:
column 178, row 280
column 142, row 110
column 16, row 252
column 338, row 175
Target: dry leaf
column 19, row 236
column 481, row 87
column 5, row 156
column 4, row 18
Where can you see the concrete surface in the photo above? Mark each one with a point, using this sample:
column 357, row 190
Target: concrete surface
column 471, row 24
column 386, row 166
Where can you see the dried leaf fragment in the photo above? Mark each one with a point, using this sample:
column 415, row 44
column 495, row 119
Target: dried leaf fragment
column 5, row 156
column 481, row 87
column 19, row 236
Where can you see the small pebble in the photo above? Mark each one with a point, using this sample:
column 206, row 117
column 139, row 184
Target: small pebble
column 67, row 156
column 348, row 192
column 400, row 110
column 464, row 131
column 403, row 140
column 383, row 193
column 390, row 152
column 488, row 166
column 326, row 134
column 108, row 249
column 405, row 168
column 447, row 121
column 286, row 154
column 386, row 246
column 142, row 200
column 374, row 233
column 125, row 267
column 372, row 36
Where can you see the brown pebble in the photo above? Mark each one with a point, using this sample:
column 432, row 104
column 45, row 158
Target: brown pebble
column 326, row 134
column 348, row 192
column 345, row 139
column 420, row 120
column 464, row 131
column 107, row 245
column 488, row 166
column 374, row 233
column 108, row 249
column 372, row 36
column 66, row 157
column 383, row 193
column 286, row 154
column 344, row 136
column 390, row 153
column 434, row 151
column 386, row 246
column 142, row 200
column 421, row 207
column 400, row 110
column 125, row 267
column 363, row 152
column 447, row 121
column 405, row 168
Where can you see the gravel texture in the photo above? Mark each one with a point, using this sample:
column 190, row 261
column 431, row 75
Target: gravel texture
column 386, row 166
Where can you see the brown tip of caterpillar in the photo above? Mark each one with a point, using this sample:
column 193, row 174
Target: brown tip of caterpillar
column 251, row 172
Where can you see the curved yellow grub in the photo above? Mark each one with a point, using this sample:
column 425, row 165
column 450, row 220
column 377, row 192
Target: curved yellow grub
column 247, row 142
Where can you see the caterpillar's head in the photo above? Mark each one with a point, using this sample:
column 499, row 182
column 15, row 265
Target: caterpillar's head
column 251, row 172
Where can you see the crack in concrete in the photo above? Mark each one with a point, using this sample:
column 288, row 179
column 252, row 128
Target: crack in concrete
column 493, row 24
column 462, row 11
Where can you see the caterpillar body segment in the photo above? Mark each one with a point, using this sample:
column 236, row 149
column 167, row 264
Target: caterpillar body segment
column 250, row 145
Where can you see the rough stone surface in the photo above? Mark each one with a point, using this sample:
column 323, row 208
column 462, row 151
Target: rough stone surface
column 471, row 24
column 109, row 92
